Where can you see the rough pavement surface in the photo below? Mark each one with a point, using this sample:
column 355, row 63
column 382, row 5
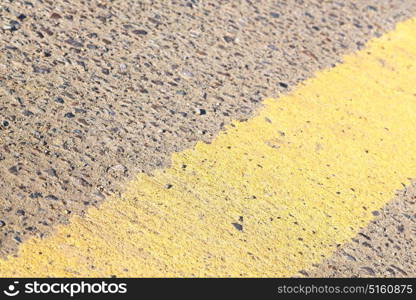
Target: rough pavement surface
column 94, row 92
column 385, row 248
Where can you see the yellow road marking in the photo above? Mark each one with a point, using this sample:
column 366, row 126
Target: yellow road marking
column 301, row 177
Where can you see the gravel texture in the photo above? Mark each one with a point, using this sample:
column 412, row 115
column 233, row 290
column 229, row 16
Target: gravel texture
column 94, row 92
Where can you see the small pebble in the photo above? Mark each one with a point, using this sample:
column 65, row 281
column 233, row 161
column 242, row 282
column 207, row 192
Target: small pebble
column 21, row 17
column 140, row 32
column 59, row 100
column 229, row 39
column 202, row 111
column 55, row 16
column 69, row 115
column 51, row 197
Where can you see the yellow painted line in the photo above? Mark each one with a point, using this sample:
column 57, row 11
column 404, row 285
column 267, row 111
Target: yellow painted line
column 301, row 177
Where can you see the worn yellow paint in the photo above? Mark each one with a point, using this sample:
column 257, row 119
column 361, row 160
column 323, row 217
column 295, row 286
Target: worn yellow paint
column 304, row 175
